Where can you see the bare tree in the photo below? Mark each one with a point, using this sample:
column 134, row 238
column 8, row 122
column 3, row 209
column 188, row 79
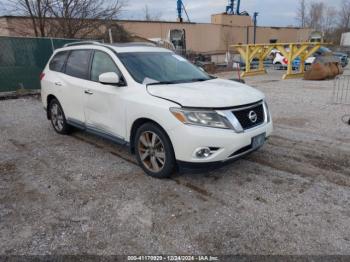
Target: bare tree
column 315, row 15
column 151, row 17
column 118, row 34
column 301, row 13
column 81, row 18
column 344, row 16
column 37, row 10
column 329, row 22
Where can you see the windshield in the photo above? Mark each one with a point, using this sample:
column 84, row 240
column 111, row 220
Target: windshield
column 161, row 67
column 324, row 50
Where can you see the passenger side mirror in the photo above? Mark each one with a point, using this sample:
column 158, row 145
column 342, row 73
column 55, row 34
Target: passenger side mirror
column 109, row 78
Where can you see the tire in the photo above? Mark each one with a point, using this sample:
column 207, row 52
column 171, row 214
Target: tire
column 154, row 151
column 58, row 118
column 278, row 66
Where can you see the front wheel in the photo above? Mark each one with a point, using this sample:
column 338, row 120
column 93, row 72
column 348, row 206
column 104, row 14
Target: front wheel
column 154, row 151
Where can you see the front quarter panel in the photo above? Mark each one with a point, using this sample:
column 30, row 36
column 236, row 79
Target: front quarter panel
column 142, row 105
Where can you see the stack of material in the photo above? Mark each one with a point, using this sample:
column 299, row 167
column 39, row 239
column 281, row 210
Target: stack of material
column 324, row 67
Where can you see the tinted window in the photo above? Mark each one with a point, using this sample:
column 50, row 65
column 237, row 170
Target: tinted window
column 78, row 63
column 58, row 61
column 102, row 63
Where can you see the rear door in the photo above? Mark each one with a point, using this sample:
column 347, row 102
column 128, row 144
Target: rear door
column 104, row 104
column 50, row 83
column 73, row 83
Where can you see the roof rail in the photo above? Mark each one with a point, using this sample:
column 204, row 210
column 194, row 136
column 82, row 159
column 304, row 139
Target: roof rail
column 134, row 44
column 83, row 43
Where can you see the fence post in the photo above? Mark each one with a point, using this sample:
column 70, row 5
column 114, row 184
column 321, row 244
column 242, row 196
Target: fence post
column 52, row 46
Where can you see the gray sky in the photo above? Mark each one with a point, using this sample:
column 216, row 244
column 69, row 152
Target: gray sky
column 271, row 12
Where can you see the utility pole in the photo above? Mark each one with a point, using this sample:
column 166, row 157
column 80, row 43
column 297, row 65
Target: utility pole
column 255, row 24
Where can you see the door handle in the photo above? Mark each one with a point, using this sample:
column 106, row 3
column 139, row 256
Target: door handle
column 88, row 92
column 58, row 83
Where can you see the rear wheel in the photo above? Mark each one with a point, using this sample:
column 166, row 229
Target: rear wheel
column 58, row 119
column 278, row 66
column 154, row 151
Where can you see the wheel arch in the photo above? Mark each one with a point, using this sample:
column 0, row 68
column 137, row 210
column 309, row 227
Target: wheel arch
column 136, row 125
column 48, row 101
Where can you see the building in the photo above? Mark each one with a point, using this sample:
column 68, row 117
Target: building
column 211, row 38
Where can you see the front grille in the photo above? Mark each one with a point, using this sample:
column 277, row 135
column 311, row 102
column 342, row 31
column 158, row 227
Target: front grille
column 246, row 116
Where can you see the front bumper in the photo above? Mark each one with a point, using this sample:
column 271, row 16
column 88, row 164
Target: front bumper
column 231, row 145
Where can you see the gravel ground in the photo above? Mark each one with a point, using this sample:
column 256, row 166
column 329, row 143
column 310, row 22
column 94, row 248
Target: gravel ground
column 82, row 195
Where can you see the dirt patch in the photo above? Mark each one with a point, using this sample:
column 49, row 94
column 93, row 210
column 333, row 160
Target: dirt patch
column 294, row 122
column 7, row 168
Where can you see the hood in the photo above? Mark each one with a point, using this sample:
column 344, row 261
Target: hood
column 216, row 93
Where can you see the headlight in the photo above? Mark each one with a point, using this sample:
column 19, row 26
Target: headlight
column 201, row 118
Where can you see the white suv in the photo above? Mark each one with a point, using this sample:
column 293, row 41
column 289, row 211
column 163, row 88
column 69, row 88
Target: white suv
column 169, row 112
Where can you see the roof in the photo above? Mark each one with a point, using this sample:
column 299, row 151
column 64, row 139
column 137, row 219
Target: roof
column 169, row 22
column 115, row 20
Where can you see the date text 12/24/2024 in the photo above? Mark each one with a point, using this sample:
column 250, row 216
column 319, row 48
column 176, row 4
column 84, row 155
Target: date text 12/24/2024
column 172, row 258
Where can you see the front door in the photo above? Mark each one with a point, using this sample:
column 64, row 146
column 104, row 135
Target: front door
column 103, row 104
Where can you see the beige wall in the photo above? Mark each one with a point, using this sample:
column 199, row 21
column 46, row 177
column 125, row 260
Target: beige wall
column 214, row 38
column 199, row 37
column 17, row 27
column 232, row 20
column 3, row 27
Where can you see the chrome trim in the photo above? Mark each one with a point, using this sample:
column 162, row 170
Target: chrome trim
column 236, row 125
column 246, row 107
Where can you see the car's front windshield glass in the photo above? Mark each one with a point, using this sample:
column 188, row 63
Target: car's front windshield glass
column 324, row 50
column 161, row 67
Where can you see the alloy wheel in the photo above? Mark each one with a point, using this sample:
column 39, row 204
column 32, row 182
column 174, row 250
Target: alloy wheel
column 57, row 117
column 151, row 151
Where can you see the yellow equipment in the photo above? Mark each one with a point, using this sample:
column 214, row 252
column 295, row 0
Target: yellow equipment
column 289, row 50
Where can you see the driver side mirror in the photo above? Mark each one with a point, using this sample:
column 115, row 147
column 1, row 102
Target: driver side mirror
column 109, row 78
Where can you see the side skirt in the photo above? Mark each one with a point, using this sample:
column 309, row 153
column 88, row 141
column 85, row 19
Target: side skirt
column 97, row 132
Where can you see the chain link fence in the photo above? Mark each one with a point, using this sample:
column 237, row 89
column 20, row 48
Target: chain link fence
column 22, row 60
column 341, row 90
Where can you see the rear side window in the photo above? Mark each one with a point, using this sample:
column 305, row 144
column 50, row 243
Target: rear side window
column 102, row 63
column 57, row 62
column 78, row 64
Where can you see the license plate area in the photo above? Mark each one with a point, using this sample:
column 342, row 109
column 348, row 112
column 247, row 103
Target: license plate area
column 258, row 141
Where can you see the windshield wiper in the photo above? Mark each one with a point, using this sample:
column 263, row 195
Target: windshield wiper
column 179, row 81
column 163, row 83
column 199, row 79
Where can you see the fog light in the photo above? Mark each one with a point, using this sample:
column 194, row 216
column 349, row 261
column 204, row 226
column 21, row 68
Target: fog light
column 202, row 152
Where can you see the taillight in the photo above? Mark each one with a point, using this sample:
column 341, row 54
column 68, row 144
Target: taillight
column 42, row 75
column 285, row 60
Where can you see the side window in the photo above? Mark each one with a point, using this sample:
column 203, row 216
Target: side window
column 57, row 62
column 78, row 63
column 102, row 63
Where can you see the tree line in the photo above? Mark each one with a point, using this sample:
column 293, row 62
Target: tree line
column 69, row 18
column 325, row 18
